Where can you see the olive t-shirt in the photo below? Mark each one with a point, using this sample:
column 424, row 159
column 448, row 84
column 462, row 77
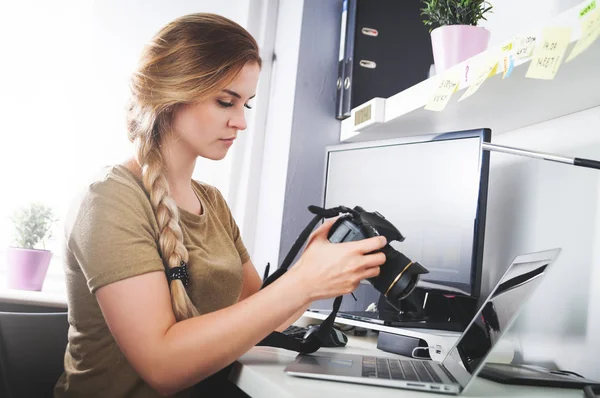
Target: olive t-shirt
column 112, row 234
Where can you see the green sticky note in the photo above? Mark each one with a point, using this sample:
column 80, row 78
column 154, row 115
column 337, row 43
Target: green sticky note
column 588, row 8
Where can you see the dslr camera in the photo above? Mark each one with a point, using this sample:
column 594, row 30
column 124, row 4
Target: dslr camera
column 399, row 275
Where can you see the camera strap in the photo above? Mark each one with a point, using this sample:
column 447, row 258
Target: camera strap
column 314, row 342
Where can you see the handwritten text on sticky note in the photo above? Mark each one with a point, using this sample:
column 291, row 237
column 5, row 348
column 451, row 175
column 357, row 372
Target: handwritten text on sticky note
column 590, row 31
column 549, row 53
column 444, row 90
column 487, row 69
column 524, row 46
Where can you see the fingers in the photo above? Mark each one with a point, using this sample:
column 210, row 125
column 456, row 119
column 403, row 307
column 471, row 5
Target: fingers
column 323, row 229
column 374, row 260
column 369, row 245
column 370, row 272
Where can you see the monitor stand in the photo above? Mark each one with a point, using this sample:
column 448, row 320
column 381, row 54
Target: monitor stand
column 429, row 310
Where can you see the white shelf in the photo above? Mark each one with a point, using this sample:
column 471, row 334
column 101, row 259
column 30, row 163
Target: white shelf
column 33, row 298
column 500, row 104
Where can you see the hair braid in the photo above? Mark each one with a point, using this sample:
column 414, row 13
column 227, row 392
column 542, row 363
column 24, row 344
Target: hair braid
column 171, row 245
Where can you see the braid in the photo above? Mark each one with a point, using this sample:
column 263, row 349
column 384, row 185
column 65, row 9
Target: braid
column 167, row 216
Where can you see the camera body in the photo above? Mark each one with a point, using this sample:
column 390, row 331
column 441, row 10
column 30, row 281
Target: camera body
column 399, row 275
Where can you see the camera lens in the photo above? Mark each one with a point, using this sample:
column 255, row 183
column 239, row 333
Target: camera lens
column 398, row 277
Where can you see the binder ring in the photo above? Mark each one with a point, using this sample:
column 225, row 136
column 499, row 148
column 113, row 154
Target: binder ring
column 347, row 83
column 367, row 64
column 370, row 32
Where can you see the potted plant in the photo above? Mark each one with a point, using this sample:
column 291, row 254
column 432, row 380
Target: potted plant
column 455, row 35
column 27, row 263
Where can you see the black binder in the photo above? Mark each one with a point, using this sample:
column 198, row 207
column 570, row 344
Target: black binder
column 339, row 112
column 387, row 49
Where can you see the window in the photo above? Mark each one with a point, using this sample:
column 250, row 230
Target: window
column 64, row 71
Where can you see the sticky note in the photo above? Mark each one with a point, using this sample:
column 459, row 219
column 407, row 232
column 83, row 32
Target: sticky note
column 549, row 53
column 591, row 6
column 523, row 46
column 487, row 69
column 447, row 85
column 508, row 64
column 507, row 47
column 590, row 31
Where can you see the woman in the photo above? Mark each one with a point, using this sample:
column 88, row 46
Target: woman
column 136, row 330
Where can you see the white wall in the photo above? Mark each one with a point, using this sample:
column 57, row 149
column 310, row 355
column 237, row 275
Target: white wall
column 269, row 215
column 512, row 17
column 535, row 205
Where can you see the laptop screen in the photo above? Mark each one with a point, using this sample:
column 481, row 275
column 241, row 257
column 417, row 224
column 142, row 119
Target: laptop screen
column 496, row 315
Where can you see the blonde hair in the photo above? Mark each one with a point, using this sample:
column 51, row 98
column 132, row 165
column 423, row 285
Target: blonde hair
column 187, row 60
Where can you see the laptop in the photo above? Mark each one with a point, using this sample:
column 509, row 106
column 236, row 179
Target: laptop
column 462, row 363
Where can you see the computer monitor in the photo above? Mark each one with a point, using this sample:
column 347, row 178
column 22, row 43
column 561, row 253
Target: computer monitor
column 433, row 189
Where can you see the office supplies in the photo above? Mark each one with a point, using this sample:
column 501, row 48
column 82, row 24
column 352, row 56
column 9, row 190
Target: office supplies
column 348, row 61
column 435, row 189
column 463, row 362
column 590, row 31
column 387, row 49
column 339, row 114
column 548, row 55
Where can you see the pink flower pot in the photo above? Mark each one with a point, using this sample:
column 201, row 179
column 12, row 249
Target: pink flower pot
column 453, row 44
column 26, row 268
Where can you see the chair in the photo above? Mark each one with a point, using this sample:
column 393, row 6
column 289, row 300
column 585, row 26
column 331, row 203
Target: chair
column 32, row 349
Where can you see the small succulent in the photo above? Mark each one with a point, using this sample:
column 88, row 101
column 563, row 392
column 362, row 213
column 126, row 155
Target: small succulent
column 33, row 225
column 454, row 12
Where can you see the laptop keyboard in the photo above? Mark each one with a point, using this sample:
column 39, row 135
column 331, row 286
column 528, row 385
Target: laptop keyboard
column 397, row 369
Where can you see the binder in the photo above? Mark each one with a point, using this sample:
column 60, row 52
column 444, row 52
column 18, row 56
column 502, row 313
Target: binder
column 387, row 49
column 348, row 58
column 339, row 113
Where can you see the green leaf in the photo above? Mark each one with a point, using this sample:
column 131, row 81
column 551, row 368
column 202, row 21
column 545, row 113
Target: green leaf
column 454, row 12
column 33, row 225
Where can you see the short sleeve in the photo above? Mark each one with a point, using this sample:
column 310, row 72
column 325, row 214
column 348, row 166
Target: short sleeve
column 224, row 213
column 113, row 234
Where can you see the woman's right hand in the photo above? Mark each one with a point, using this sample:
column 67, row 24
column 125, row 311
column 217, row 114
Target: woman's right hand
column 332, row 269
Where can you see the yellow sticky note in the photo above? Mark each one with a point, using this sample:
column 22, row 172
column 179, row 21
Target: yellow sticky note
column 507, row 47
column 488, row 68
column 447, row 86
column 590, row 31
column 523, row 46
column 549, row 53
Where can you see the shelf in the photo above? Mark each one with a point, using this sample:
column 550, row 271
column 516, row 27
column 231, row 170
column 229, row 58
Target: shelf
column 33, row 298
column 500, row 104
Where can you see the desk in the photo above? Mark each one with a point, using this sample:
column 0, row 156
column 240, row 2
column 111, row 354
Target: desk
column 260, row 374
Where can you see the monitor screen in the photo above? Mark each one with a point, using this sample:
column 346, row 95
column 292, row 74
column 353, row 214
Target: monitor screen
column 432, row 188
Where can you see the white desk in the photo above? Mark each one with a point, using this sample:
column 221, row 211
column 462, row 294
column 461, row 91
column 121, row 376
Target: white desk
column 260, row 374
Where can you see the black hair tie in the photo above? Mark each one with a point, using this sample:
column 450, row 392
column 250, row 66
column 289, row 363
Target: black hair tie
column 180, row 273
